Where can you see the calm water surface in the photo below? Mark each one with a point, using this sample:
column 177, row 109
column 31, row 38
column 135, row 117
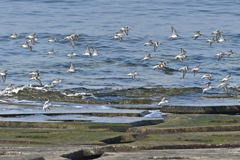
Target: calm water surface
column 103, row 81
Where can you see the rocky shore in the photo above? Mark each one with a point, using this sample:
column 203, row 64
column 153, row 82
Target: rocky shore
column 179, row 136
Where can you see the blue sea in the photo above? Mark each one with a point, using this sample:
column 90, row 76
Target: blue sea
column 101, row 82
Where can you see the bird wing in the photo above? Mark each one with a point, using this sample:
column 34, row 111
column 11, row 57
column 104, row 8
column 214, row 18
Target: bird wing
column 173, row 31
column 87, row 49
column 94, row 50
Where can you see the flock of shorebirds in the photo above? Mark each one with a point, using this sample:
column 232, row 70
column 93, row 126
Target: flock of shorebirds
column 35, row 75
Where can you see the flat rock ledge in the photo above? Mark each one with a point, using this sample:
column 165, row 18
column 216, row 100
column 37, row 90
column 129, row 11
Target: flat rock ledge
column 201, row 109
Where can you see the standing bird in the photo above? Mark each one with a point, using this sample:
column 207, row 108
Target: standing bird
column 46, row 105
column 164, row 100
column 196, row 69
column 72, row 68
column 4, row 75
column 197, row 34
column 174, row 33
column 184, row 69
column 133, row 74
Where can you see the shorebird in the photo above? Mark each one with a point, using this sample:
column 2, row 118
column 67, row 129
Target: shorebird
column 15, row 35
column 147, row 56
column 230, row 52
column 163, row 101
column 174, row 33
column 26, row 45
column 224, row 86
column 120, row 33
column 211, row 40
column 87, row 52
column 33, row 40
column 220, row 55
column 36, row 78
column 4, row 75
column 49, row 85
column 95, row 52
column 70, row 38
column 9, row 88
column 196, row 69
column 161, row 65
column 217, row 32
column 76, row 36
column 207, row 87
column 133, row 74
column 46, row 105
column 33, row 35
column 72, row 68
column 182, row 55
column 155, row 44
column 118, row 37
column 125, row 29
column 53, row 40
column 35, row 73
column 184, row 69
column 56, row 81
column 228, row 77
column 71, row 54
column 208, row 76
column 197, row 34
column 51, row 52
column 221, row 38
column 150, row 43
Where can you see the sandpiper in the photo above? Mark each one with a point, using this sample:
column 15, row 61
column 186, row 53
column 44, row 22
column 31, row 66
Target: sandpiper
column 95, row 52
column 207, row 87
column 208, row 76
column 36, row 78
column 224, row 86
column 211, row 40
column 133, row 74
column 53, row 40
column 56, row 81
column 70, row 38
column 221, row 38
column 155, row 44
column 220, row 55
column 72, row 68
column 184, row 69
column 76, row 36
column 10, row 87
column 49, row 85
column 46, row 105
column 15, row 35
column 120, row 33
column 150, row 43
column 87, row 52
column 4, row 75
column 147, row 56
column 51, row 52
column 35, row 73
column 164, row 100
column 217, row 32
column 118, row 37
column 196, row 69
column 161, row 65
column 182, row 55
column 125, row 29
column 71, row 54
column 174, row 33
column 230, row 52
column 26, row 45
column 228, row 77
column 33, row 35
column 197, row 34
